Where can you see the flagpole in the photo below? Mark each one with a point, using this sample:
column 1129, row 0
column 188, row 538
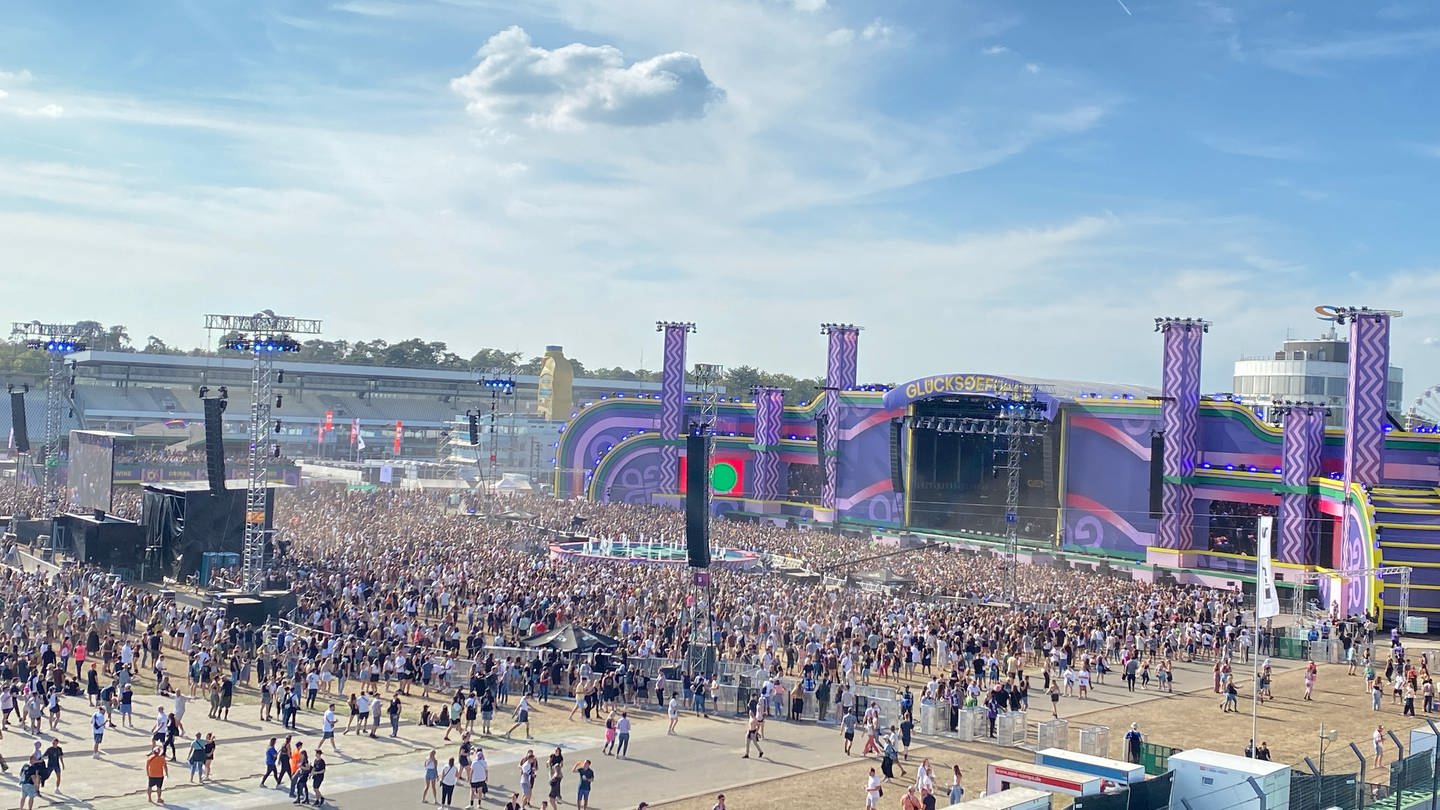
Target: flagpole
column 1264, row 595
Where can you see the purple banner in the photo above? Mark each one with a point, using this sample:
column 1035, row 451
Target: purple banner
column 1180, row 406
column 769, row 413
column 672, row 404
column 1304, row 437
column 1365, row 407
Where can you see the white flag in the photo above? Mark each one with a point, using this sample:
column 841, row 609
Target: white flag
column 1267, row 602
column 359, row 439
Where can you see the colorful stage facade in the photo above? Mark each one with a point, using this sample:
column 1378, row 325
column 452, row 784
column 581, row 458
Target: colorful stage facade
column 899, row 458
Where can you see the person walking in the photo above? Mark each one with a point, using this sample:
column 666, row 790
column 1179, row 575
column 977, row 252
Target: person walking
column 752, row 737
column 98, row 721
column 156, row 769
column 1377, row 741
column 522, row 717
column 622, row 733
column 196, row 758
column 674, row 711
column 317, row 777
column 847, row 729
column 327, row 730
column 479, row 779
column 957, row 790
column 54, row 761
column 272, row 764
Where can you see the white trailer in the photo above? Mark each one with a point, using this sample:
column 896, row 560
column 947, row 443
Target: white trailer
column 1210, row 780
column 1018, row 798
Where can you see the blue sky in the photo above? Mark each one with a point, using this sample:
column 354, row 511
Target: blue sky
column 986, row 186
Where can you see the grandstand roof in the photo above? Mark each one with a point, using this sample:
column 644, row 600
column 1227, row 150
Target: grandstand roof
column 1081, row 389
column 186, row 363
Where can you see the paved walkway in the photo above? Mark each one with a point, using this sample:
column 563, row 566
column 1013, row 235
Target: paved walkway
column 378, row 773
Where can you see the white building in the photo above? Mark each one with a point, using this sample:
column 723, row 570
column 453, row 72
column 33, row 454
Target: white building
column 1311, row 370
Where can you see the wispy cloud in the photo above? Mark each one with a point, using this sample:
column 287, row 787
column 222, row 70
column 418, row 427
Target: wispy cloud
column 1315, row 57
column 43, row 111
column 371, row 8
column 15, row 76
column 995, row 50
column 1032, row 68
column 1244, row 146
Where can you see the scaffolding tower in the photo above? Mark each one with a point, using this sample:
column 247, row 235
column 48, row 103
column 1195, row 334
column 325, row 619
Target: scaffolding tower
column 57, row 340
column 263, row 336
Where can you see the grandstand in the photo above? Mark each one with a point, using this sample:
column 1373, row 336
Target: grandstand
column 125, row 391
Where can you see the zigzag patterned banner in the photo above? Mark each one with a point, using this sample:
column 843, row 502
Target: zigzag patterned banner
column 843, row 357
column 842, row 363
column 1304, row 433
column 672, row 406
column 1365, row 406
column 1180, row 383
column 769, row 411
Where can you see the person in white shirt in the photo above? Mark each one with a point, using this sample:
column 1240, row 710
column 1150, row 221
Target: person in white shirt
column 674, row 712
column 327, row 730
column 872, row 790
column 479, row 779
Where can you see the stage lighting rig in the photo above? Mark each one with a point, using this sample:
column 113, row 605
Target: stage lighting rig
column 262, row 335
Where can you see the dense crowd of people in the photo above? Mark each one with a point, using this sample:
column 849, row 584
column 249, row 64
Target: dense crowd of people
column 411, row 614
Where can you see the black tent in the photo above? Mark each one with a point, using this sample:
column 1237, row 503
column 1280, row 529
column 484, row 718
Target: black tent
column 568, row 638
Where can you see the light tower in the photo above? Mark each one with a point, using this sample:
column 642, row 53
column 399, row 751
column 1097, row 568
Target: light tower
column 263, row 335
column 56, row 340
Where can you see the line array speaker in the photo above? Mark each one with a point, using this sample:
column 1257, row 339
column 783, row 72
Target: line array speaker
column 17, row 422
column 897, row 467
column 1157, row 474
column 215, row 445
column 697, row 500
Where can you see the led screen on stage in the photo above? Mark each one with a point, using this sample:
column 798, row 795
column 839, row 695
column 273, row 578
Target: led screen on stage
column 92, row 469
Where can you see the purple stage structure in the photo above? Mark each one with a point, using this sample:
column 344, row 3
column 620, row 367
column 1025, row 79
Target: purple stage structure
column 769, row 414
column 672, row 402
column 1365, row 418
column 1086, row 491
column 1302, row 441
column 1180, row 409
column 842, row 362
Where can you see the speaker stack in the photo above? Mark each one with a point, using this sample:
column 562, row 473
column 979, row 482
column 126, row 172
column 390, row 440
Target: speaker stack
column 215, row 445
column 17, row 422
column 697, row 498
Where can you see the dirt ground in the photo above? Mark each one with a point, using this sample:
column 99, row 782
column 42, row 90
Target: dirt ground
column 1191, row 720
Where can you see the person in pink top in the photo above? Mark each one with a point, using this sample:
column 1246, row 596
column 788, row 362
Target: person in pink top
column 79, row 653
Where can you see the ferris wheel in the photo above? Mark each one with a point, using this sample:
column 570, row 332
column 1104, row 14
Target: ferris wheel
column 1424, row 413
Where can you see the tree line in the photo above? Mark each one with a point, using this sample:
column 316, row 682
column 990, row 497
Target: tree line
column 416, row 353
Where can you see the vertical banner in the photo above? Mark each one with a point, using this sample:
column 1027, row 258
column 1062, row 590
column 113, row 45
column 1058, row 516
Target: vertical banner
column 399, row 430
column 354, row 431
column 1267, row 602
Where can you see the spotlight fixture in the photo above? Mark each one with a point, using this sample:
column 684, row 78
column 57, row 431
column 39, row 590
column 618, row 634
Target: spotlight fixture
column 204, row 391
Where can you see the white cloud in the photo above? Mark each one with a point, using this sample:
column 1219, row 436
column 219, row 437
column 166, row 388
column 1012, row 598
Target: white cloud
column 1032, row 68
column 810, row 6
column 878, row 31
column 45, row 111
column 577, row 84
column 1313, row 58
column 995, row 50
column 1431, row 341
column 840, row 36
column 3, row 94
column 370, row 8
column 15, row 76
column 1246, row 146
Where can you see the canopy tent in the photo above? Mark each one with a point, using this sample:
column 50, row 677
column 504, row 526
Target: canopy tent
column 568, row 638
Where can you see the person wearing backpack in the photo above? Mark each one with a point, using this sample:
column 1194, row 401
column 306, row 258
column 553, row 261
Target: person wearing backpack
column 197, row 758
column 29, row 784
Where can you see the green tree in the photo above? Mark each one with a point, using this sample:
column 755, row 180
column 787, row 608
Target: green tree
column 497, row 360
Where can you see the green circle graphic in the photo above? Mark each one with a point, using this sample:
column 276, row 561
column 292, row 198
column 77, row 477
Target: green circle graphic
column 723, row 476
